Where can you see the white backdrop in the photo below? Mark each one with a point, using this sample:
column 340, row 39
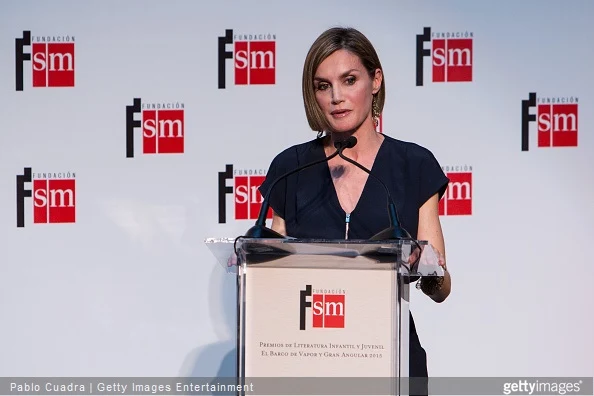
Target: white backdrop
column 129, row 288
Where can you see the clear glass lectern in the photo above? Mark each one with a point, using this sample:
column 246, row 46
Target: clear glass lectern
column 328, row 311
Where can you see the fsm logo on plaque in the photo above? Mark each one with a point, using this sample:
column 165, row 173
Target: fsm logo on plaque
column 327, row 307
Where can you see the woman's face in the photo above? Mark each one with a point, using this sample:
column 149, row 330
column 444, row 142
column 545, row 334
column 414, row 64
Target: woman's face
column 344, row 91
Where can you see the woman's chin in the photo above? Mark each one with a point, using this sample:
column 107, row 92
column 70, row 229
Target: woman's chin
column 342, row 129
column 346, row 128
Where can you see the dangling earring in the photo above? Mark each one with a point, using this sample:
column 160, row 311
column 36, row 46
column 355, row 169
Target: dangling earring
column 375, row 111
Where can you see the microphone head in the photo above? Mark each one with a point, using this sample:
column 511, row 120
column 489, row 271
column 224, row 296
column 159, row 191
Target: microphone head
column 350, row 142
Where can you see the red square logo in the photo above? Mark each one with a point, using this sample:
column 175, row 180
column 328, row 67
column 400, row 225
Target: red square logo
column 53, row 64
column 328, row 310
column 255, row 62
column 557, row 125
column 452, row 60
column 248, row 200
column 54, row 201
column 457, row 199
column 163, row 131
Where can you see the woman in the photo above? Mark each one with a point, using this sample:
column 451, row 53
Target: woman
column 344, row 92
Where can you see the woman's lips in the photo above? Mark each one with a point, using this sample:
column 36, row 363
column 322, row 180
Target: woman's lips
column 340, row 113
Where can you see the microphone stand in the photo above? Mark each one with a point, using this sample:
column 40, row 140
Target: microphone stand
column 259, row 230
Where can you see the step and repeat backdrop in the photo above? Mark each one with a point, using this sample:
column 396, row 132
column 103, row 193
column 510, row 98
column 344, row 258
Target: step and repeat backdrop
column 133, row 130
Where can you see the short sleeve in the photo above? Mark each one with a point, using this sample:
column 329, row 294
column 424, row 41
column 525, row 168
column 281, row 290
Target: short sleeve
column 278, row 167
column 432, row 179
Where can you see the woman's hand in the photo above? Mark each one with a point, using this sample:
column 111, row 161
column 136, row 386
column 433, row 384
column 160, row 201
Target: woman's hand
column 430, row 230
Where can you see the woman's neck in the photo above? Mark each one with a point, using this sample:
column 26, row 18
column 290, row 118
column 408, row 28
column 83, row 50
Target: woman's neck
column 368, row 142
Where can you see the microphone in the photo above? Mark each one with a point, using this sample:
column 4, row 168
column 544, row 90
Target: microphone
column 259, row 230
column 395, row 231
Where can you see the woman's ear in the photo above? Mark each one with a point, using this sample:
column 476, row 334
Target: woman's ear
column 377, row 80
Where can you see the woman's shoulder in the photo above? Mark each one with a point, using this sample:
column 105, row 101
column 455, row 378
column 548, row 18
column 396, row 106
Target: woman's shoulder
column 298, row 153
column 408, row 150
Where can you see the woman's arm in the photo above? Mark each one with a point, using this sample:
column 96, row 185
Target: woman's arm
column 278, row 224
column 430, row 230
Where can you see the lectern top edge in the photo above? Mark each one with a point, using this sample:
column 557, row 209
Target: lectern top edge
column 224, row 250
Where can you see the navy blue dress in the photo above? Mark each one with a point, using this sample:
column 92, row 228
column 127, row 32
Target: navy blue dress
column 308, row 203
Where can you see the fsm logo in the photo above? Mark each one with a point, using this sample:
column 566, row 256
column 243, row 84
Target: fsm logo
column 54, row 197
column 457, row 199
column 162, row 127
column 451, row 56
column 246, row 196
column 253, row 55
column 52, row 60
column 327, row 307
column 556, row 119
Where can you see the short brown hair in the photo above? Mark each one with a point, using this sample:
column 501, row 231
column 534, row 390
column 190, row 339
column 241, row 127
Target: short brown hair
column 332, row 40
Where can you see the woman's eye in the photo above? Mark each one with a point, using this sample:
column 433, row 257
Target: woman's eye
column 350, row 80
column 322, row 86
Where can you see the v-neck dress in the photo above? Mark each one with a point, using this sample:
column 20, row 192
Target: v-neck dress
column 308, row 203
